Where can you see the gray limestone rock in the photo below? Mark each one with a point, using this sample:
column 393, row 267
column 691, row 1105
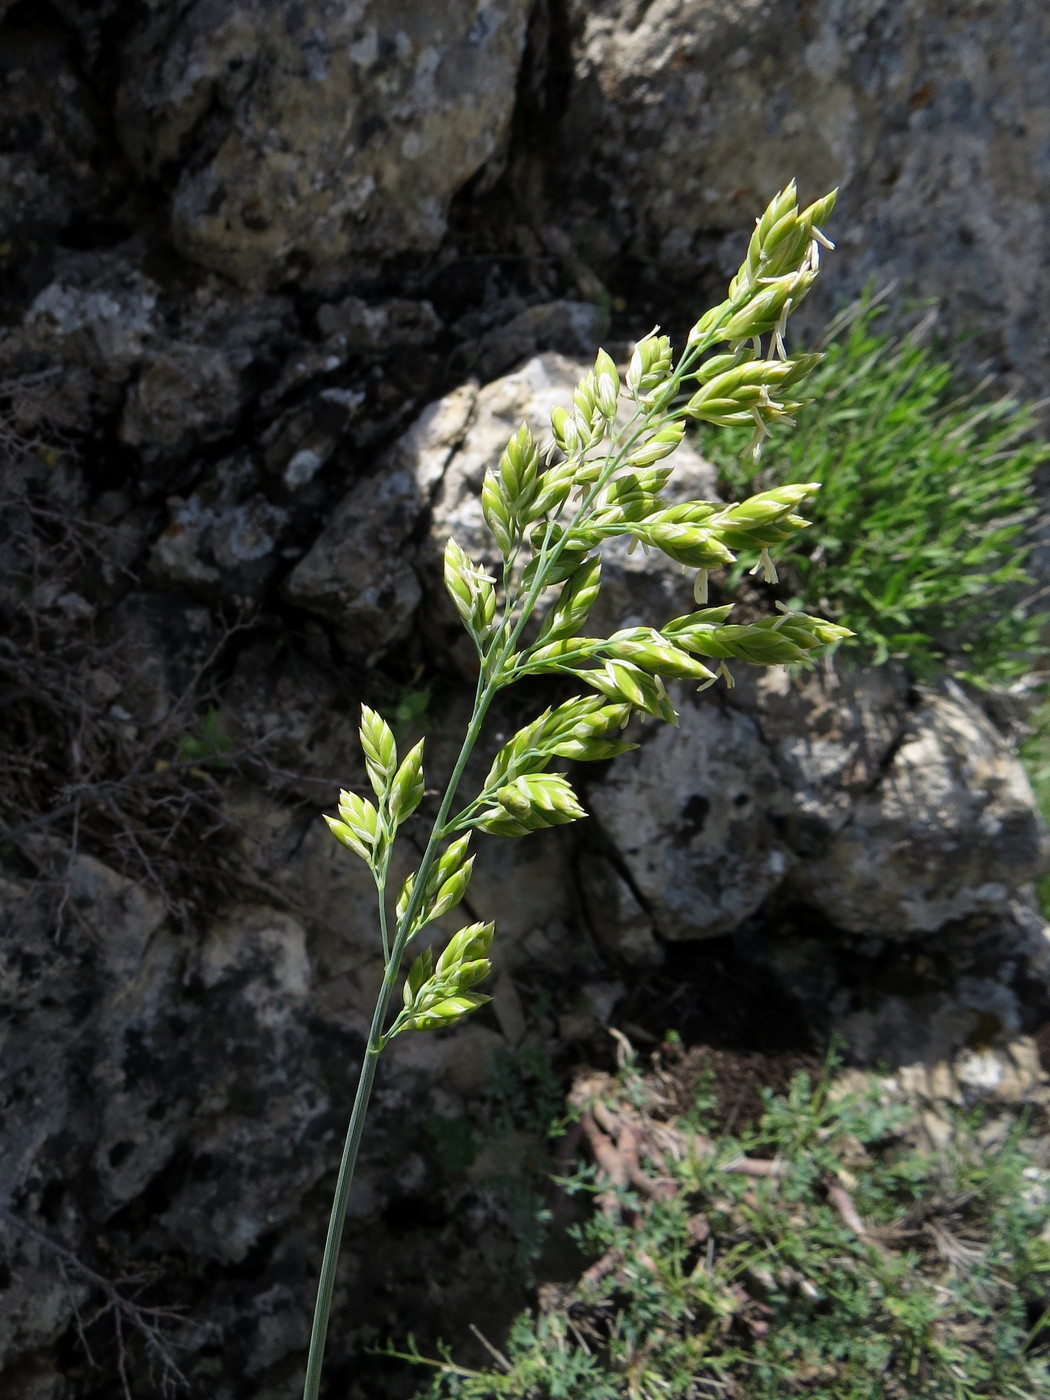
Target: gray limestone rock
column 63, row 1035
column 922, row 1002
column 622, row 927
column 930, row 117
column 308, row 140
column 102, row 337
column 381, row 328
column 186, row 394
column 832, row 732
column 688, row 815
column 570, row 328
column 57, row 166
column 222, row 537
column 359, row 573
column 82, row 337
column 949, row 831
column 296, row 713
column 155, row 646
column 131, row 1058
column 254, row 964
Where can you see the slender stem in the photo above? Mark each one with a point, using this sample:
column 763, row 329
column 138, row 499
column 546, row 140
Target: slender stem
column 489, row 682
column 337, row 1219
column 381, row 896
column 326, row 1284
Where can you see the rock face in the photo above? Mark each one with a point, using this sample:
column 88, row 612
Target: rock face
column 297, row 146
column 57, row 165
column 181, row 1060
column 948, row 831
column 323, row 134
column 103, row 341
column 250, row 257
column 928, row 116
column 359, row 572
column 688, row 816
column 185, row 1105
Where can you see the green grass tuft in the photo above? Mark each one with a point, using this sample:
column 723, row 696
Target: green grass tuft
column 918, row 538
column 757, row 1288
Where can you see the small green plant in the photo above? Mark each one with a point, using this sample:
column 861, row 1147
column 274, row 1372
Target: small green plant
column 526, row 1098
column 818, row 1253
column 209, row 744
column 525, row 1092
column 409, row 715
column 549, row 512
column 918, row 533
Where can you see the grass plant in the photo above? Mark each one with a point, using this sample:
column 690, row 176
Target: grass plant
column 919, row 532
column 819, row 1252
column 550, row 508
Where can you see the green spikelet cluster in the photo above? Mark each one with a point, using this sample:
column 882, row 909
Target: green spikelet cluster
column 551, row 507
column 550, row 510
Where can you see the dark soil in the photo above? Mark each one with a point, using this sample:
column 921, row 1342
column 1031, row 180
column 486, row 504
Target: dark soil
column 737, row 1081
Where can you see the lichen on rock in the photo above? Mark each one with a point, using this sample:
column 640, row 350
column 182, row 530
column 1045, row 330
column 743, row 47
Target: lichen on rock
column 324, row 134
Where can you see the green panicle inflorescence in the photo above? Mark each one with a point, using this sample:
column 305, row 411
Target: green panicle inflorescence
column 550, row 511
column 551, row 508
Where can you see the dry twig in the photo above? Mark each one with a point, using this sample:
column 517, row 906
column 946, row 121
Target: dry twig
column 149, row 1324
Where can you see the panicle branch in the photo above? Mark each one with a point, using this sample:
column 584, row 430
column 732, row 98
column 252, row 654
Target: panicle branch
column 550, row 510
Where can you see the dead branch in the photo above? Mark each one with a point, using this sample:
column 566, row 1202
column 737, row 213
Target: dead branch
column 150, row 1324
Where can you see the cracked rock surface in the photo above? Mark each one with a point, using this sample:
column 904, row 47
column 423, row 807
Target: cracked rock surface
column 276, row 284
